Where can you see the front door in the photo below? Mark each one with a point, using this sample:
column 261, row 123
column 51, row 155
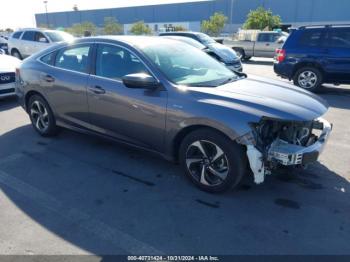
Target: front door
column 134, row 115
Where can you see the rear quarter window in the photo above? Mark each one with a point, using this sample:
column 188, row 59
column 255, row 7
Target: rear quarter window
column 16, row 35
column 48, row 59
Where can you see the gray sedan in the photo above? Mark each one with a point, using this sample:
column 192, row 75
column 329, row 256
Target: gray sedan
column 172, row 99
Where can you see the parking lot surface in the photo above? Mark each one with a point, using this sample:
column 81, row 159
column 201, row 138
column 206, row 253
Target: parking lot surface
column 78, row 194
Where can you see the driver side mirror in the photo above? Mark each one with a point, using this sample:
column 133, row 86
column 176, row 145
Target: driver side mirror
column 140, row 80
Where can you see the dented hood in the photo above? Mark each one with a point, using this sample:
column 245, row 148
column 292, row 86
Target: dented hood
column 265, row 97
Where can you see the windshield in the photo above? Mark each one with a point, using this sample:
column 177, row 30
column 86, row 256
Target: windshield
column 187, row 41
column 186, row 65
column 205, row 39
column 58, row 36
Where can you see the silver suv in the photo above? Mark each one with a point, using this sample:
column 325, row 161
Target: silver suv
column 26, row 42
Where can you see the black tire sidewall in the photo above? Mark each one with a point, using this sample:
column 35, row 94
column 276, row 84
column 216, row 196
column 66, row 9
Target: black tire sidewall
column 52, row 128
column 314, row 70
column 241, row 52
column 234, row 152
column 17, row 52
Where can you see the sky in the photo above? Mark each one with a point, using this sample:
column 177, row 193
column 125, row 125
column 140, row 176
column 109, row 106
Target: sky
column 20, row 13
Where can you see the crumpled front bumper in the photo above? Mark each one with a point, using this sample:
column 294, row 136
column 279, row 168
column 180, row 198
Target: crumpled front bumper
column 284, row 153
column 288, row 154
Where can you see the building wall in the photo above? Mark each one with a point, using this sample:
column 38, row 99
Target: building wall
column 294, row 12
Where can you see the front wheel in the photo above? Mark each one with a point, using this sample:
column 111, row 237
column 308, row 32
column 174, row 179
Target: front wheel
column 41, row 116
column 213, row 162
column 308, row 78
column 16, row 54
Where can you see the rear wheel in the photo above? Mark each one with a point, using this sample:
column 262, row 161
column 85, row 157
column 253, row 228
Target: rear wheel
column 212, row 161
column 16, row 54
column 308, row 78
column 41, row 116
column 240, row 53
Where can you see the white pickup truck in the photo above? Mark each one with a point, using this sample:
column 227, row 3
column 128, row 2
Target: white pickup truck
column 264, row 45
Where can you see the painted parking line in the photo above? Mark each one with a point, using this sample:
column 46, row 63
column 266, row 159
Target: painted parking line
column 111, row 234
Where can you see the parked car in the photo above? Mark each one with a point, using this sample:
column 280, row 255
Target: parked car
column 8, row 65
column 3, row 44
column 26, row 42
column 313, row 55
column 192, row 42
column 172, row 99
column 221, row 52
column 264, row 45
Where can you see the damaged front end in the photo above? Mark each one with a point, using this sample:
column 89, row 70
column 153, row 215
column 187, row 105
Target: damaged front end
column 273, row 143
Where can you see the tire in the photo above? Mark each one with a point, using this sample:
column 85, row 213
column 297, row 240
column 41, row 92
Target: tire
column 16, row 54
column 308, row 78
column 240, row 53
column 207, row 173
column 247, row 58
column 41, row 116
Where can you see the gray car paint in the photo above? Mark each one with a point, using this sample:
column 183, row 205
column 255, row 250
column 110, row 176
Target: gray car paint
column 154, row 119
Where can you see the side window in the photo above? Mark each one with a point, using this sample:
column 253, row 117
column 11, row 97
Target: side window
column 271, row 38
column 311, row 38
column 115, row 62
column 39, row 37
column 73, row 58
column 28, row 35
column 17, row 35
column 48, row 59
column 339, row 38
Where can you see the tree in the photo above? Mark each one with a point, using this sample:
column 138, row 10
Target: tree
column 214, row 25
column 80, row 29
column 112, row 27
column 262, row 19
column 179, row 28
column 140, row 28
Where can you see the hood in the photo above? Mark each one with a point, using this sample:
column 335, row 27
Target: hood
column 224, row 52
column 263, row 97
column 8, row 63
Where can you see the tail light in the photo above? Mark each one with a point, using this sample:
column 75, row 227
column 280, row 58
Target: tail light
column 280, row 55
column 18, row 75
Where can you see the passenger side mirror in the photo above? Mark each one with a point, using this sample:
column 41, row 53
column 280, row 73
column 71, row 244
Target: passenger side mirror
column 43, row 40
column 140, row 80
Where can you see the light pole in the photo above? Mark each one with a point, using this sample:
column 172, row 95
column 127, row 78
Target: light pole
column 231, row 12
column 47, row 15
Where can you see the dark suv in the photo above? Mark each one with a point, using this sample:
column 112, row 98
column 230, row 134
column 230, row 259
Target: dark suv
column 313, row 55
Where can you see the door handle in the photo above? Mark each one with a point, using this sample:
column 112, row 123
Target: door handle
column 49, row 78
column 97, row 90
column 267, row 44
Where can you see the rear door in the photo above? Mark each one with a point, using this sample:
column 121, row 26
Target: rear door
column 27, row 46
column 65, row 84
column 337, row 53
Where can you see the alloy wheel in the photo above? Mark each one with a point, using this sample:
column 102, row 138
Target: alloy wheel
column 207, row 163
column 40, row 116
column 307, row 79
